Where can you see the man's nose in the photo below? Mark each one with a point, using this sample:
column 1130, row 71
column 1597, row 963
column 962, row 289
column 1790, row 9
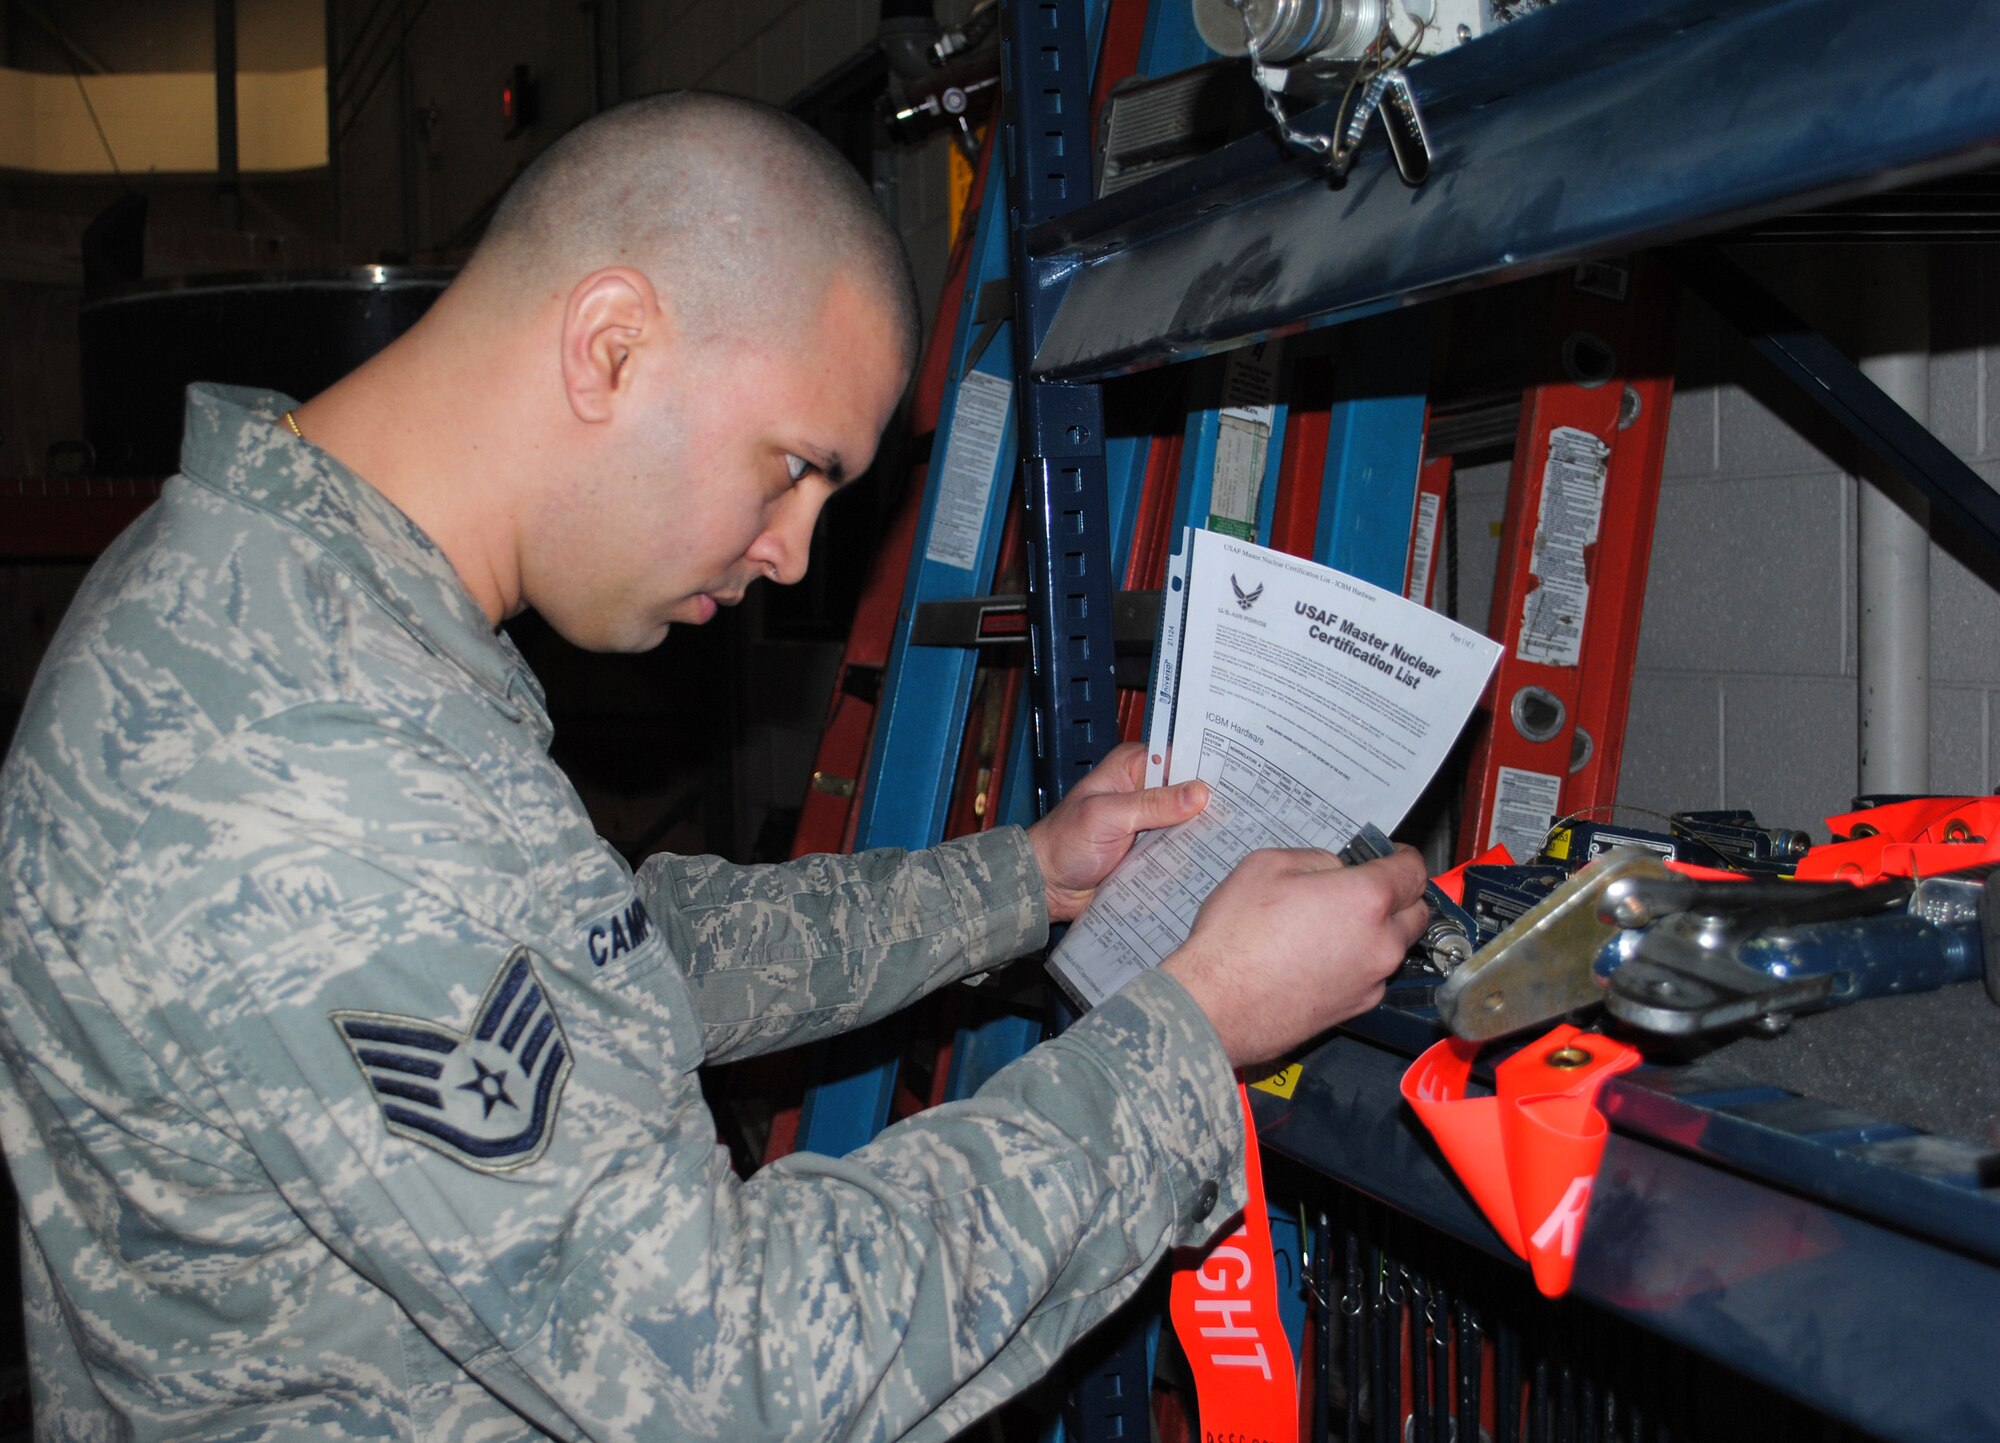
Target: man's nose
column 786, row 545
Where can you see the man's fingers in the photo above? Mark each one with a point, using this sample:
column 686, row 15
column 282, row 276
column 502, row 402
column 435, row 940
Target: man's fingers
column 1156, row 807
column 1129, row 758
column 1295, row 859
column 1403, row 868
column 1413, row 919
column 1407, row 865
column 1123, row 770
column 1293, row 918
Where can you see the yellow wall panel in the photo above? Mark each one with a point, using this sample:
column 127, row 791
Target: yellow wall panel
column 159, row 123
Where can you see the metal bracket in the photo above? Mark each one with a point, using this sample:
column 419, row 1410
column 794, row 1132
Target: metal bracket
column 1837, row 386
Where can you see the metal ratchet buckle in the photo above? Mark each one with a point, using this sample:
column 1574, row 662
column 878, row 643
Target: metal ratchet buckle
column 1691, row 970
column 1663, row 951
column 1447, row 941
column 1540, row 968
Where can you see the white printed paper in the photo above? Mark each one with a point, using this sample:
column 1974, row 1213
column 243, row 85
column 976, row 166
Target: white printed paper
column 971, row 458
column 1250, row 383
column 1240, row 449
column 1310, row 702
column 1166, row 671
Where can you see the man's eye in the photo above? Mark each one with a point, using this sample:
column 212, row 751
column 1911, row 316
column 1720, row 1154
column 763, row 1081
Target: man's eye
column 797, row 467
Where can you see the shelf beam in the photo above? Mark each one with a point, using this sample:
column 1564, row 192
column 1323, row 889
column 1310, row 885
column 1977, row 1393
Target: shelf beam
column 1590, row 128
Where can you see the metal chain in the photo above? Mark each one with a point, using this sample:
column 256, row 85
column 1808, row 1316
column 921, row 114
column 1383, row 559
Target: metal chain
column 1337, row 156
column 1318, row 145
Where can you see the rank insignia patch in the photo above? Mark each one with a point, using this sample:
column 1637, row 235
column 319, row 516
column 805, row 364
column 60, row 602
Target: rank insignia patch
column 486, row 1096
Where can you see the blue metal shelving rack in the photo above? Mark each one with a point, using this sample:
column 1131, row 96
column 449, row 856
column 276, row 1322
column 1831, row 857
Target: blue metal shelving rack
column 1591, row 128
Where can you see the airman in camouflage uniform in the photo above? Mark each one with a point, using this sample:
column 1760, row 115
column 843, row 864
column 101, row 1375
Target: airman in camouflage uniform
column 350, row 1079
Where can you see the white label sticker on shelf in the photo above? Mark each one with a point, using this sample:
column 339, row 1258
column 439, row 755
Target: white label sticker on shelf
column 1423, row 547
column 1553, row 614
column 965, row 481
column 1524, row 807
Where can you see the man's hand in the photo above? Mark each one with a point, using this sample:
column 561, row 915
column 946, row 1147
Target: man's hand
column 1092, row 828
column 1294, row 941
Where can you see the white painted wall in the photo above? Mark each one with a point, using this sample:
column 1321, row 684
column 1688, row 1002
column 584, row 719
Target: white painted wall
column 1744, row 693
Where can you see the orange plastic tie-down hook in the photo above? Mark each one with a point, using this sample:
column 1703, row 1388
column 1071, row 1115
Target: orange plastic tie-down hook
column 1529, row 1153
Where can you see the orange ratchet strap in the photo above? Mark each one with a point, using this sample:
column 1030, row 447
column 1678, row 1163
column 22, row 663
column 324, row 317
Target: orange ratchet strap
column 1225, row 1312
column 1919, row 838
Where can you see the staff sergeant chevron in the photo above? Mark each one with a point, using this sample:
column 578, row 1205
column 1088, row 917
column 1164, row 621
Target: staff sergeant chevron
column 486, row 1097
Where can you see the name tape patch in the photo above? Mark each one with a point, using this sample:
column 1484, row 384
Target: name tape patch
column 624, row 931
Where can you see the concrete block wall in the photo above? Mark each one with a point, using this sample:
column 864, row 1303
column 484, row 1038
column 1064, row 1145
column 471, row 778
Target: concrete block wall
column 1745, row 694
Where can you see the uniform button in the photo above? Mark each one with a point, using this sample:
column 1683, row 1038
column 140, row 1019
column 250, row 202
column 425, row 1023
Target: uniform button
column 1204, row 1199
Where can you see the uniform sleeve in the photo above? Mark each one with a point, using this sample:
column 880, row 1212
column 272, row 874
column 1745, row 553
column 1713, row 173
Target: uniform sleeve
column 776, row 956
column 512, row 1144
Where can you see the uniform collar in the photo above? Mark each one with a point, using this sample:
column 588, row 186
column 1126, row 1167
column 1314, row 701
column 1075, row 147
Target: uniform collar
column 236, row 442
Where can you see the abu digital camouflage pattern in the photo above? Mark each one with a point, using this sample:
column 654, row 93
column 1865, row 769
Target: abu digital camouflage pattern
column 351, row 1080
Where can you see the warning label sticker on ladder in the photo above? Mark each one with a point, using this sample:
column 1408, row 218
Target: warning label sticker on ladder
column 1250, row 382
column 1423, row 547
column 1240, row 448
column 1572, row 506
column 1524, row 806
column 1243, row 440
column 971, row 457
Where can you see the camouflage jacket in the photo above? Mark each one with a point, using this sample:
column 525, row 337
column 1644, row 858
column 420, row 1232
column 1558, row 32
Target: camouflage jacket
column 350, row 1079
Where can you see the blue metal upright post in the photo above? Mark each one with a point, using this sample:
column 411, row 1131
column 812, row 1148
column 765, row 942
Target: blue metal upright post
column 1239, row 404
column 1047, row 145
column 926, row 690
column 1048, row 150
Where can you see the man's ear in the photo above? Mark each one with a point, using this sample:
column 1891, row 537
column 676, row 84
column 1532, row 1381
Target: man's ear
column 612, row 320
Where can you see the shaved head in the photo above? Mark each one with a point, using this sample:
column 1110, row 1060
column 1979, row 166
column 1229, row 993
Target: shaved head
column 739, row 215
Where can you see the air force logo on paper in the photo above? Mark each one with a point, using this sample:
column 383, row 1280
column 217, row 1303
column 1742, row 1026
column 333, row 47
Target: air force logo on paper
column 1245, row 599
column 485, row 1097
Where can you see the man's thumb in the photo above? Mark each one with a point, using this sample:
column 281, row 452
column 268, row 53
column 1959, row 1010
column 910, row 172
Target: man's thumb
column 1168, row 806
